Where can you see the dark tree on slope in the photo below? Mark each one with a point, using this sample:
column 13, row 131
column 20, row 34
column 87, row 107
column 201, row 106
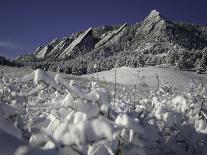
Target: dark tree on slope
column 201, row 66
column 172, row 57
column 4, row 61
column 140, row 61
column 68, row 69
column 79, row 68
column 185, row 61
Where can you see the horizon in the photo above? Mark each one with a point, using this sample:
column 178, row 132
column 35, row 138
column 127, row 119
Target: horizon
column 26, row 25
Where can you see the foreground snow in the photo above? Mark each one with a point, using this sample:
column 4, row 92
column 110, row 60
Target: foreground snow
column 55, row 116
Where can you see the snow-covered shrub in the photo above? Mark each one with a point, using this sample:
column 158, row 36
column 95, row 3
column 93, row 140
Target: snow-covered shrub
column 71, row 120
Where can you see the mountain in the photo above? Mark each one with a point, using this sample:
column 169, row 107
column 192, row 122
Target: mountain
column 156, row 28
column 156, row 40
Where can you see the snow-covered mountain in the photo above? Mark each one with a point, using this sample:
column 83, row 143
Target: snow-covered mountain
column 154, row 40
column 156, row 28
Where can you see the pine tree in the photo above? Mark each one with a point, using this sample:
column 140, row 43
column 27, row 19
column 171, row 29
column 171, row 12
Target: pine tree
column 201, row 67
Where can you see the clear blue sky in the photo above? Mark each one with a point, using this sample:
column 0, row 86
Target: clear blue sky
column 27, row 24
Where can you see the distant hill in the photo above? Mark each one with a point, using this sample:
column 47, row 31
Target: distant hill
column 154, row 41
column 4, row 61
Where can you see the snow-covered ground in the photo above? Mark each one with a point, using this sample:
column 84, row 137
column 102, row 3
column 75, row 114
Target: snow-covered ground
column 47, row 113
column 14, row 71
column 131, row 76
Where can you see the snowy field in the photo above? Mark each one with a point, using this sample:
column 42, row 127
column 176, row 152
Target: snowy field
column 153, row 111
column 138, row 76
column 126, row 76
column 14, row 71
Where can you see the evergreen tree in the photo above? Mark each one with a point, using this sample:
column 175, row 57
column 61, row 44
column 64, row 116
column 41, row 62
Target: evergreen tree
column 201, row 66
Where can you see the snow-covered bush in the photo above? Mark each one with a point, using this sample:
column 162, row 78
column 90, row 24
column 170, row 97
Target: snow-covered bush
column 71, row 120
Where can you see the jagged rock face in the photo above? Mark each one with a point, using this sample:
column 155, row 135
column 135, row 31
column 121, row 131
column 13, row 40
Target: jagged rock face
column 101, row 31
column 156, row 35
column 111, row 35
column 42, row 52
column 152, row 22
column 38, row 50
column 76, row 44
column 59, row 48
column 156, row 28
column 152, row 29
column 83, row 42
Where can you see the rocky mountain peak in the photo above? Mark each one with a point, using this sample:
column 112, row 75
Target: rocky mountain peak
column 153, row 13
column 153, row 16
column 153, row 22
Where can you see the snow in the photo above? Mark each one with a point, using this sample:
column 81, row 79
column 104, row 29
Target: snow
column 14, row 71
column 201, row 126
column 88, row 131
column 41, row 79
column 101, row 95
column 87, row 120
column 102, row 129
column 126, row 121
column 146, row 76
column 180, row 102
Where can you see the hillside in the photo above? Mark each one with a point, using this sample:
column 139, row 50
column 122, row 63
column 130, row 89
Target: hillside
column 146, row 76
column 154, row 41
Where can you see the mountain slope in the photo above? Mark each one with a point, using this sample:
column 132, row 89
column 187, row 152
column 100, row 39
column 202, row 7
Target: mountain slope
column 153, row 41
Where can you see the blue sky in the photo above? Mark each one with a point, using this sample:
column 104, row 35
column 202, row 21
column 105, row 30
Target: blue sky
column 27, row 24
